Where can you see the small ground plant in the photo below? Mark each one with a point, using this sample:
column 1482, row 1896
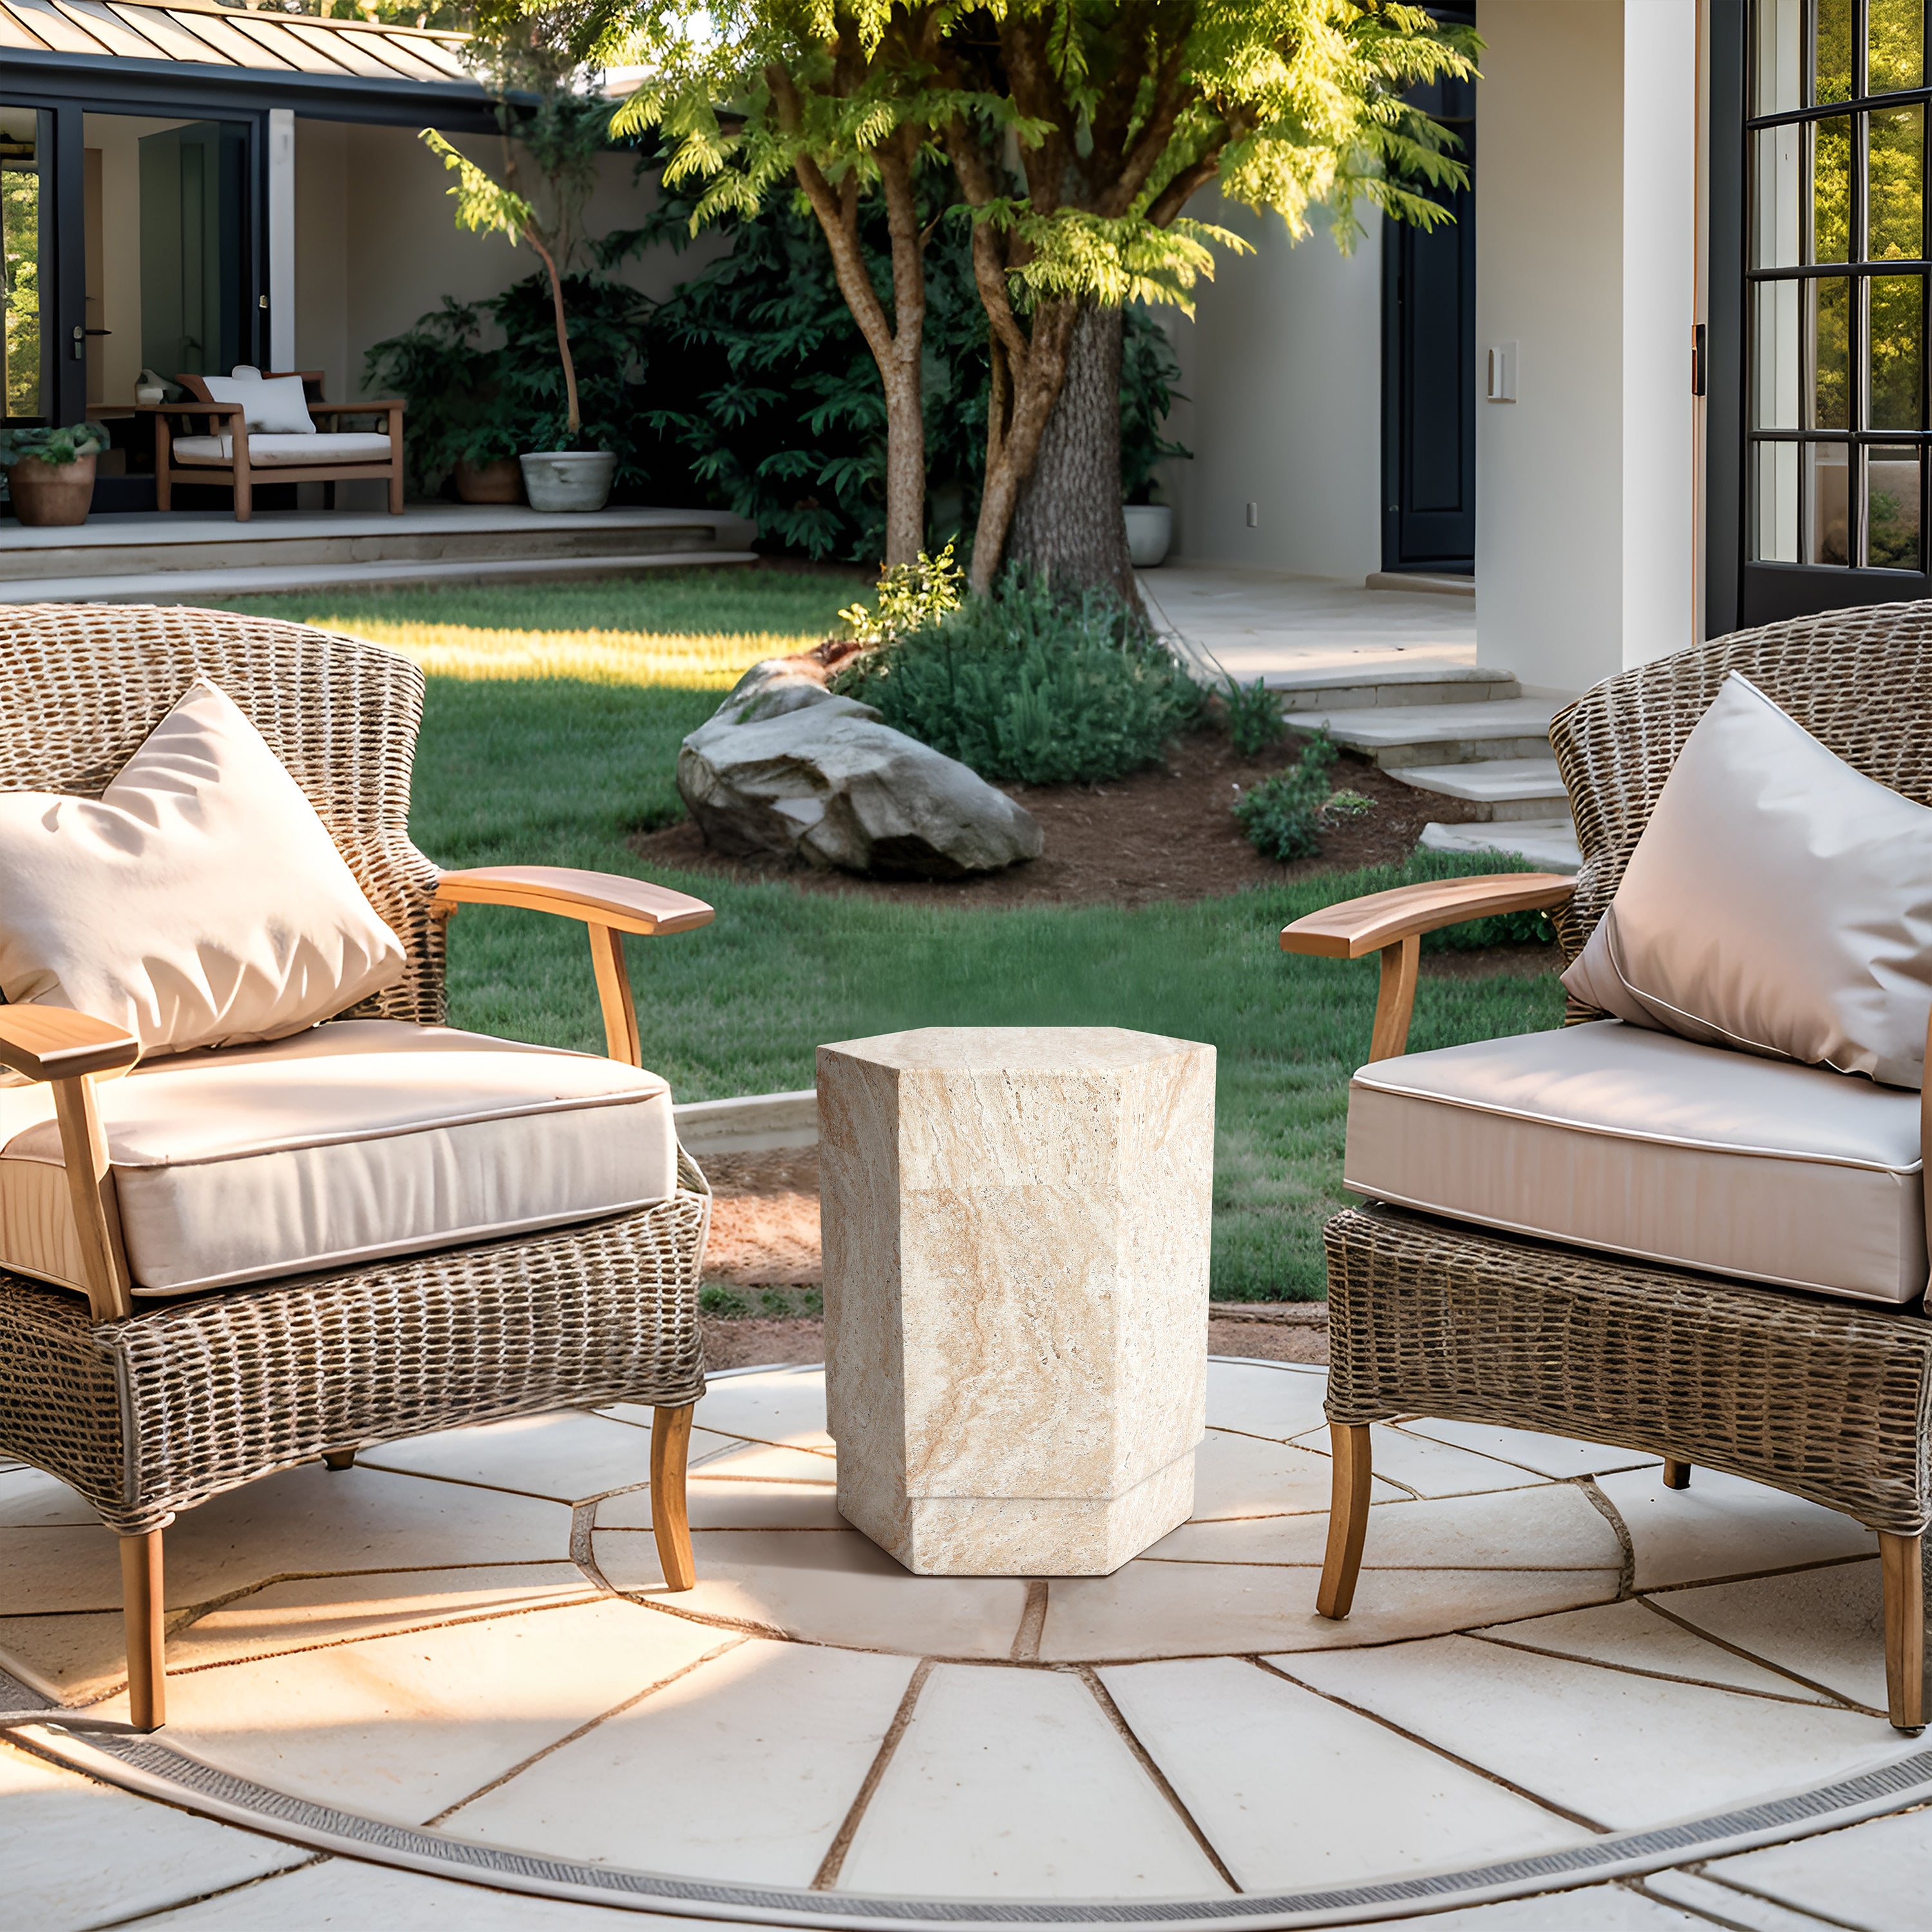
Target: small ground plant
column 1282, row 816
column 1030, row 684
column 1253, row 714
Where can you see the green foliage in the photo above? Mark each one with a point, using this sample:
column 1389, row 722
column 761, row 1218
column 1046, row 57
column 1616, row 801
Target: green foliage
column 777, row 410
column 911, row 597
column 475, row 404
column 52, row 446
column 1148, row 373
column 1253, row 714
column 1030, row 684
column 1282, row 814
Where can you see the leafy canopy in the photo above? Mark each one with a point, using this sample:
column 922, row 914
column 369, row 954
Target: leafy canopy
column 1294, row 105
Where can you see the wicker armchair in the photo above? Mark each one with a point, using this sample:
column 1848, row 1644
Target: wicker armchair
column 149, row 1407
column 1824, row 1398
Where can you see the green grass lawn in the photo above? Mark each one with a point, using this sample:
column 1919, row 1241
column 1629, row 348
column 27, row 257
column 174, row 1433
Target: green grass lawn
column 553, row 718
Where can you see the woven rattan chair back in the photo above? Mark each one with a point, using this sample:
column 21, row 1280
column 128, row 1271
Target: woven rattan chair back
column 1859, row 680
column 85, row 684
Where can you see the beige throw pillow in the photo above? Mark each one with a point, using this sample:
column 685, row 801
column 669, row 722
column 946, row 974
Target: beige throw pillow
column 1778, row 900
column 273, row 405
column 198, row 902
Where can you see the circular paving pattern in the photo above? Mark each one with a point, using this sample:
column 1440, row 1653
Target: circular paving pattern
column 459, row 1657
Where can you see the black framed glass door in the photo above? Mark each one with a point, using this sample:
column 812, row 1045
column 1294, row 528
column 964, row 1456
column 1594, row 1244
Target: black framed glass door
column 1835, row 470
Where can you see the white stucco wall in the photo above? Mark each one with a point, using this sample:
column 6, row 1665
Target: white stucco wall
column 1282, row 368
column 377, row 244
column 1586, row 258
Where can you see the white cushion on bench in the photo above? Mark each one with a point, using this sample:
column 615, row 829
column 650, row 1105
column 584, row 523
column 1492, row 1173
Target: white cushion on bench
column 1611, row 1136
column 356, row 1140
column 269, row 452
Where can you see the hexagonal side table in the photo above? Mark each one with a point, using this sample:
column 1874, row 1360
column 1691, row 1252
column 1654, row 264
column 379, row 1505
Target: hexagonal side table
column 1016, row 1232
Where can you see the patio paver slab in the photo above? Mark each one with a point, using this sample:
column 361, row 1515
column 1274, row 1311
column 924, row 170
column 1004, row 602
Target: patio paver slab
column 565, row 1458
column 1874, row 1876
column 1245, row 1476
column 1556, row 1455
column 1014, row 1784
column 1622, row 1750
column 1261, row 1400
column 1274, row 1775
column 1723, row 1526
column 737, row 1503
column 663, row 1787
column 77, row 1854
column 1433, row 1469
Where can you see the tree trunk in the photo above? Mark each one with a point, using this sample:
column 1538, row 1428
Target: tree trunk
column 1067, row 525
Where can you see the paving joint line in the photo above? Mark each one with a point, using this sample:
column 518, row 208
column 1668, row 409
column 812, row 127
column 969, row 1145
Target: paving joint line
column 833, row 1862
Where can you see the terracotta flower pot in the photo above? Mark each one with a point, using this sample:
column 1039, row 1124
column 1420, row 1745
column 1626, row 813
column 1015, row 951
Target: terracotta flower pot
column 50, row 495
column 499, row 482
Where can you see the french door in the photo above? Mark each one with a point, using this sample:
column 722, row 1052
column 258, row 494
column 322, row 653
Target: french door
column 1834, row 491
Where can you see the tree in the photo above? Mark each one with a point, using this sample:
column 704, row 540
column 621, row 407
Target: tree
column 1078, row 131
column 1127, row 113
column 837, row 94
column 543, row 109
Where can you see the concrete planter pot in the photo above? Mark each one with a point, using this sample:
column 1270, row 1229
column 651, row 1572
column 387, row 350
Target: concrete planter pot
column 567, row 479
column 1150, row 531
column 49, row 496
column 501, row 481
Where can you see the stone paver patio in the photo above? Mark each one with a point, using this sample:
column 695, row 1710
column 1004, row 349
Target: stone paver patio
column 1564, row 1687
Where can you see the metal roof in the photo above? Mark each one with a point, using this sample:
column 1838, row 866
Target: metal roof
column 201, row 34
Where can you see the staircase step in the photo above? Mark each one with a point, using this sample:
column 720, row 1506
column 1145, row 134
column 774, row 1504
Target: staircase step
column 1549, row 844
column 1497, row 788
column 1398, row 736
column 1372, row 685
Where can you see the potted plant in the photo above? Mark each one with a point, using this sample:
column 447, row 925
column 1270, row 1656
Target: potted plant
column 563, row 135
column 50, row 472
column 1148, row 374
column 463, row 424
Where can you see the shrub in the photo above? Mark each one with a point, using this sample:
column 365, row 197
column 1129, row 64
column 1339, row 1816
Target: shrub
column 1032, row 684
column 1253, row 715
column 1283, row 815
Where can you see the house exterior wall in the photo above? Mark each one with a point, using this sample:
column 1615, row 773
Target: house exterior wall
column 1586, row 247
column 377, row 244
column 1281, row 368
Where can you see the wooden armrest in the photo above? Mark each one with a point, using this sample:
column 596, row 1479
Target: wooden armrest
column 56, row 1043
column 610, row 906
column 59, row 1045
column 1392, row 924
column 1358, row 926
column 598, row 898
column 356, row 409
column 195, row 408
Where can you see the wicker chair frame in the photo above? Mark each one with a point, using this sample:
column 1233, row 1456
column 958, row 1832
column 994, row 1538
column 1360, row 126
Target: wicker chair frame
column 151, row 1414
column 1825, row 1399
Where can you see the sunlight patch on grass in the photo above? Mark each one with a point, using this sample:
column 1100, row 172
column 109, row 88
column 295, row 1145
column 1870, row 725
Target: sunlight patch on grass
column 690, row 662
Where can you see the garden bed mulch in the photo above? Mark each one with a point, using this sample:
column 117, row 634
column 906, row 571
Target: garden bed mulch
column 1168, row 832
column 765, row 1246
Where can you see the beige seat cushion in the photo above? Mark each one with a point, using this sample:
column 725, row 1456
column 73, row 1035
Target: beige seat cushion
column 1611, row 1136
column 353, row 1141
column 269, row 452
column 199, row 901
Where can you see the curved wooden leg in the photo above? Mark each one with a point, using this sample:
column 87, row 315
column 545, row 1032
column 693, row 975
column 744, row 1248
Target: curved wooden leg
column 1348, row 1518
column 1676, row 1474
column 142, row 1607
column 670, row 1449
column 1901, row 1558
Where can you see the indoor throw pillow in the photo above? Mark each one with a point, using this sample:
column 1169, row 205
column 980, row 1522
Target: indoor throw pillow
column 1777, row 900
column 200, row 901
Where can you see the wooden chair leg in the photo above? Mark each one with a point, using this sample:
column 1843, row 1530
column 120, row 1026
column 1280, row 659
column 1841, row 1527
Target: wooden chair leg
column 143, row 1607
column 1901, row 1557
column 1348, row 1517
column 338, row 1458
column 1676, row 1474
column 670, row 1523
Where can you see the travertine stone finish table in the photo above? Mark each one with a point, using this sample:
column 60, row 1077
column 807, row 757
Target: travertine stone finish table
column 1016, row 1231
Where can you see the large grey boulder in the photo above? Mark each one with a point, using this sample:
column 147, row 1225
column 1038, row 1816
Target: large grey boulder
column 783, row 766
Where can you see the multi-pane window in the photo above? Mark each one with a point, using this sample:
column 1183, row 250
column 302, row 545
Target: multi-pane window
column 1837, row 272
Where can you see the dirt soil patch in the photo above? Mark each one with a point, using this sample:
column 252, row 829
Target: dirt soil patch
column 765, row 1235
column 1168, row 833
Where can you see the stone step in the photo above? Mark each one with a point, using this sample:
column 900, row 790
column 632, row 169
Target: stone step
column 1370, row 685
column 1548, row 844
column 1440, row 584
column 1497, row 788
column 195, row 587
column 1398, row 736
